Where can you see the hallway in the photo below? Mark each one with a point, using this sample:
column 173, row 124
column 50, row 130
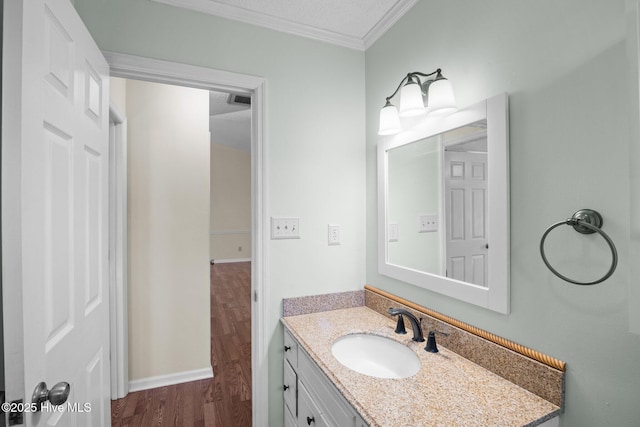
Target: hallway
column 224, row 400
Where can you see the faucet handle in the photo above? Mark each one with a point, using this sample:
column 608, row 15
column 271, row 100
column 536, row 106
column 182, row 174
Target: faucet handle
column 431, row 346
column 400, row 329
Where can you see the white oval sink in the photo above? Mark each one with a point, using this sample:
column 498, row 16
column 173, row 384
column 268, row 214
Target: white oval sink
column 376, row 356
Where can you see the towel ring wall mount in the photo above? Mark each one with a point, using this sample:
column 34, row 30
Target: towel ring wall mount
column 585, row 221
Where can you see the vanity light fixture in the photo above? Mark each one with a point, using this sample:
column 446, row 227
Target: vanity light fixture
column 433, row 97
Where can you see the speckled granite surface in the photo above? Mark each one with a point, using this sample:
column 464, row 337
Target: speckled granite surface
column 325, row 302
column 540, row 379
column 449, row 390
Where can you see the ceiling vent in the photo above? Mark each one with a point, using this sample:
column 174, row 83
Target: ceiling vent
column 238, row 99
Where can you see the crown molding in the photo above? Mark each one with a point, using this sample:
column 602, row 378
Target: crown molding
column 388, row 20
column 295, row 28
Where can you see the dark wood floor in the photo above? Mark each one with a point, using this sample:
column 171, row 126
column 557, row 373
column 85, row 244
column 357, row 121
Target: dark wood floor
column 225, row 400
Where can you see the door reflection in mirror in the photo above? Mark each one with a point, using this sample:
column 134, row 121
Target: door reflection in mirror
column 437, row 192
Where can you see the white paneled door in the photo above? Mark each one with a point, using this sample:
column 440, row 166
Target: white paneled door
column 55, row 212
column 466, row 213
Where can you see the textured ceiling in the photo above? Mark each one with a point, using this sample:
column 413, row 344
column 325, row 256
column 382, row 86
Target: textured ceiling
column 350, row 23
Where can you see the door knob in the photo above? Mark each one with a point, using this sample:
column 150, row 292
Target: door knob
column 57, row 395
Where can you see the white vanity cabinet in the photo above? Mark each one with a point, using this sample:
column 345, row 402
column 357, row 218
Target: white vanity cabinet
column 310, row 398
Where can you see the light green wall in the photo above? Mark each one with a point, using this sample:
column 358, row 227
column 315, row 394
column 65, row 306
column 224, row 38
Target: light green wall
column 413, row 189
column 565, row 68
column 315, row 142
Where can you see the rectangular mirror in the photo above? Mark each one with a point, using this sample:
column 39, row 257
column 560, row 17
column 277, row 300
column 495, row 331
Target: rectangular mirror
column 443, row 214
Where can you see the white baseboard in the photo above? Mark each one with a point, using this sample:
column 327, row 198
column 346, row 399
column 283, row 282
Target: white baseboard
column 224, row 261
column 170, row 379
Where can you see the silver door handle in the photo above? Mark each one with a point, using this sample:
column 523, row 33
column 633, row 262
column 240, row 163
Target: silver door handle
column 57, row 395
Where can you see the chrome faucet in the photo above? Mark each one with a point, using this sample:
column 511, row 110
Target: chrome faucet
column 415, row 323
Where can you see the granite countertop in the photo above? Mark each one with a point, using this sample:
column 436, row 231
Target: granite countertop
column 448, row 390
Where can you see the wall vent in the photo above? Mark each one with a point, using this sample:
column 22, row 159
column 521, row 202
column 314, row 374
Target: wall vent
column 238, row 99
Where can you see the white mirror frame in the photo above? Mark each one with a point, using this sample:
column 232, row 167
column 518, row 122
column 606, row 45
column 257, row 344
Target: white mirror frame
column 496, row 296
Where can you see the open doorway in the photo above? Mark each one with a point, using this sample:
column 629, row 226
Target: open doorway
column 126, row 66
column 176, row 223
column 230, row 249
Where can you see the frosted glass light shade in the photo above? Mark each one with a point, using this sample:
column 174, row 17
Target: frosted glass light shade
column 441, row 100
column 389, row 120
column 411, row 103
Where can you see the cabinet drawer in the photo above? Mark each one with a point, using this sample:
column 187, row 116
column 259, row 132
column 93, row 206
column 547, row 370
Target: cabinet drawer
column 290, row 388
column 308, row 412
column 329, row 400
column 290, row 349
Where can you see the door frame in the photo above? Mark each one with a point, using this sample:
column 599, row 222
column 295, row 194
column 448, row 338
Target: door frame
column 118, row 253
column 11, row 204
column 160, row 71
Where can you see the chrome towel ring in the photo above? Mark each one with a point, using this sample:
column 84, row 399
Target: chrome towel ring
column 585, row 221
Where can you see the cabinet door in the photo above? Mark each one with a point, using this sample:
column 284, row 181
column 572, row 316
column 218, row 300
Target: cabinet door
column 308, row 412
column 553, row 422
column 290, row 388
column 337, row 411
column 289, row 420
column 360, row 422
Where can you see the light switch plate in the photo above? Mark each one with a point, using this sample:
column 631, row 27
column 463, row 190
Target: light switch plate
column 427, row 223
column 334, row 234
column 393, row 231
column 285, row 228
